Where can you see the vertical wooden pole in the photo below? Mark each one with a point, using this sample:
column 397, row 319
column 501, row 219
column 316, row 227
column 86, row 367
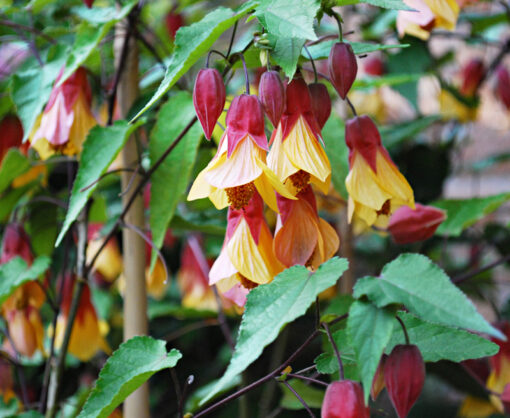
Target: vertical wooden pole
column 135, row 298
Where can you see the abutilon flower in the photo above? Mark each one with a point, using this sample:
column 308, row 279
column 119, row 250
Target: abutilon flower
column 88, row 3
column 108, row 265
column 193, row 277
column 472, row 75
column 297, row 156
column 67, row 118
column 86, row 336
column 21, row 309
column 344, row 399
column 408, row 225
column 376, row 187
column 427, row 15
column 246, row 258
column 239, row 167
column 301, row 236
column 503, row 86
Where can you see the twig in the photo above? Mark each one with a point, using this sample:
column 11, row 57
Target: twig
column 223, row 320
column 150, row 48
column 463, row 277
column 191, row 327
column 189, row 381
column 117, row 170
column 307, row 379
column 335, row 348
column 131, row 181
column 299, row 398
column 25, row 28
column 313, row 63
column 178, row 392
column 229, row 50
column 353, row 109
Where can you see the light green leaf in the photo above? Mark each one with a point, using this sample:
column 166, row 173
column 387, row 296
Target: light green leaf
column 131, row 365
column 13, row 165
column 462, row 213
column 438, row 342
column 172, row 118
column 16, row 272
column 310, row 394
column 89, row 35
column 388, row 4
column 271, row 306
column 286, row 53
column 36, row 6
column 31, row 89
column 192, row 42
column 369, row 329
column 333, row 135
column 99, row 150
column 288, row 18
column 426, row 291
column 321, row 50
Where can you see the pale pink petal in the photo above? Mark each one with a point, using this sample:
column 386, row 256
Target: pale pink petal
column 422, row 16
column 237, row 294
column 56, row 123
column 222, row 267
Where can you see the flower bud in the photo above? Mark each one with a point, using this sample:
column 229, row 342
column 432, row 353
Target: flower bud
column 374, row 66
column 472, row 75
column 404, row 376
column 173, row 22
column 209, row 98
column 12, row 135
column 344, row 399
column 321, row 102
column 503, row 86
column 272, row 96
column 378, row 381
column 342, row 67
column 408, row 225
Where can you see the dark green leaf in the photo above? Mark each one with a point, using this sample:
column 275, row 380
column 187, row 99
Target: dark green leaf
column 42, row 228
column 286, row 53
column 271, row 306
column 426, row 291
column 131, row 365
column 13, row 165
column 333, row 135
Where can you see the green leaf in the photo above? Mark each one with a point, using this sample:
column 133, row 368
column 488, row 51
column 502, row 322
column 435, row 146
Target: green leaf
column 426, row 291
column 288, row 18
column 462, row 213
column 369, row 328
column 271, row 306
column 388, row 4
column 395, row 134
column 327, row 362
column 191, row 42
column 310, row 394
column 286, row 53
column 172, row 118
column 99, row 150
column 15, row 272
column 13, row 165
column 321, row 50
column 11, row 198
column 131, row 365
column 385, row 80
column 439, row 342
column 42, row 228
column 333, row 135
column 31, row 89
column 89, row 35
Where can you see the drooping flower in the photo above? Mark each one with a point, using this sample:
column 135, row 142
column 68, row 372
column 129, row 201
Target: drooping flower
column 67, row 118
column 239, row 167
column 375, row 185
column 301, row 236
column 193, row 277
column 108, row 265
column 425, row 16
column 344, row 399
column 408, row 225
column 87, row 333
column 246, row 258
column 297, row 156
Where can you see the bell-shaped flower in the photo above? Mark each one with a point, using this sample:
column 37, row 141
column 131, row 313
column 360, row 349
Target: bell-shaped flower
column 246, row 258
column 375, row 185
column 87, row 333
column 427, row 15
column 193, row 277
column 301, row 236
column 108, row 265
column 67, row 118
column 297, row 156
column 239, row 167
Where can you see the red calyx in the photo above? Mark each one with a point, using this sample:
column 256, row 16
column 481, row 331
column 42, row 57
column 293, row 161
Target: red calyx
column 404, row 376
column 344, row 399
column 378, row 381
column 16, row 242
column 12, row 135
column 503, row 86
column 272, row 96
column 361, row 135
column 88, row 3
column 245, row 117
column 408, row 225
column 173, row 22
column 342, row 67
column 75, row 84
column 209, row 98
column 321, row 103
column 472, row 75
column 505, row 399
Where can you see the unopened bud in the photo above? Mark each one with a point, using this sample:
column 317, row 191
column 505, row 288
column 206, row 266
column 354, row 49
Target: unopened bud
column 344, row 399
column 503, row 86
column 472, row 75
column 209, row 98
column 272, row 96
column 342, row 67
column 408, row 225
column 321, row 103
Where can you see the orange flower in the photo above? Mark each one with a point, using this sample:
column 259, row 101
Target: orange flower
column 296, row 156
column 246, row 259
column 108, row 266
column 302, row 237
column 67, row 118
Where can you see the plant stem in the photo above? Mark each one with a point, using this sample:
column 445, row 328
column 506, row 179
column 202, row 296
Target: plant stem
column 313, row 64
column 335, row 348
column 300, row 399
column 463, row 277
column 308, row 379
column 406, row 335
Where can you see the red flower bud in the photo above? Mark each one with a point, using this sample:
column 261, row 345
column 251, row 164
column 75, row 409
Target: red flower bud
column 272, row 96
column 88, row 3
column 503, row 86
column 12, row 135
column 321, row 102
column 374, row 66
column 472, row 75
column 378, row 382
column 209, row 98
column 344, row 399
column 404, row 376
column 16, row 243
column 407, row 225
column 173, row 22
column 245, row 117
column 342, row 67
column 505, row 398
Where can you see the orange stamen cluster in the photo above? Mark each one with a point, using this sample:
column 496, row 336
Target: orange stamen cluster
column 385, row 209
column 247, row 283
column 240, row 196
column 300, row 180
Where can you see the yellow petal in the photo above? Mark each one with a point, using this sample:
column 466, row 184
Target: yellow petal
column 394, row 182
column 277, row 160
